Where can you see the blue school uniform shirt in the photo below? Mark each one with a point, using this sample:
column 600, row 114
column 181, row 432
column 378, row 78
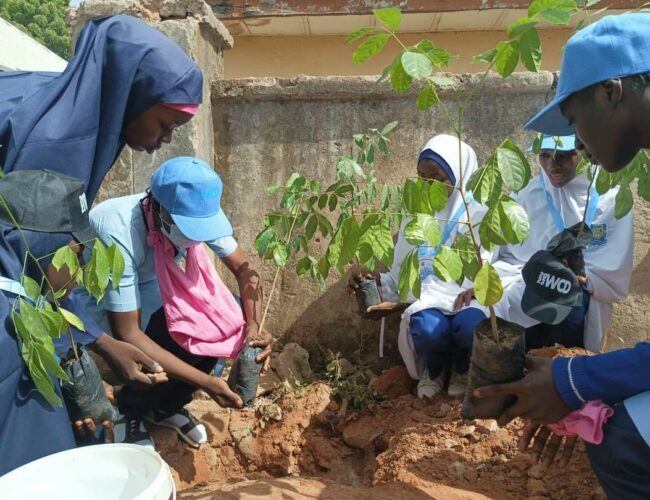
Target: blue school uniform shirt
column 120, row 221
column 613, row 377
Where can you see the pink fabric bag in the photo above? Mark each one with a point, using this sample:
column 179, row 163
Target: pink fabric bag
column 203, row 316
column 587, row 422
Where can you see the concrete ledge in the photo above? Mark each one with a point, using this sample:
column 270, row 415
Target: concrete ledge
column 354, row 87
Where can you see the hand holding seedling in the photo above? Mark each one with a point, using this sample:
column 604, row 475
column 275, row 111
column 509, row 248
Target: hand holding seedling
column 356, row 274
column 546, row 445
column 86, row 427
column 384, row 309
column 263, row 339
column 537, row 399
column 463, row 299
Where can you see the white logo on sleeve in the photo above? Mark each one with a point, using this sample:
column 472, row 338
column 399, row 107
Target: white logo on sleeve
column 83, row 203
column 547, row 280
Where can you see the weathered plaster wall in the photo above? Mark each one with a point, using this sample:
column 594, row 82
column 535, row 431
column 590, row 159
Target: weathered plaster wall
column 266, row 128
column 193, row 26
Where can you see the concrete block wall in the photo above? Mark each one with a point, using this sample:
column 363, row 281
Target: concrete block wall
column 266, row 128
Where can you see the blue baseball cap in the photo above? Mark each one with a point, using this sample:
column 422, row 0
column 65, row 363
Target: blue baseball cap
column 564, row 143
column 190, row 191
column 614, row 47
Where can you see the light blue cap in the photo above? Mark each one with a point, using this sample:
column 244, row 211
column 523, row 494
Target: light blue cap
column 190, row 191
column 614, row 47
column 563, row 143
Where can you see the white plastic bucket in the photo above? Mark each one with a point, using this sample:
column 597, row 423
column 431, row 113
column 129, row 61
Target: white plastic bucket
column 101, row 472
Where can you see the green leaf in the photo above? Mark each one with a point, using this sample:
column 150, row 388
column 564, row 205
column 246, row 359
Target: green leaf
column 537, row 143
column 530, row 48
column 292, row 178
column 389, row 128
column 438, row 195
column 390, row 16
column 355, row 35
column 370, row 155
column 72, row 319
column 351, row 234
column 20, row 327
column 416, row 65
column 488, row 289
column 411, row 196
column 506, row 58
column 413, row 232
column 447, row 265
column 96, row 273
column 484, row 236
column 32, row 288
column 383, row 146
column 605, row 181
column 322, row 201
column 520, row 26
column 400, row 80
column 486, row 57
column 381, row 242
column 64, row 256
column 116, row 263
column 553, row 11
column 273, row 189
column 513, row 166
column 312, row 224
column 56, row 325
column 426, row 98
column 32, row 320
column 441, row 81
column 323, row 266
column 333, row 202
column 492, row 223
column 644, row 186
column 408, row 280
column 303, row 266
column 624, row 201
column 324, row 225
column 369, row 47
column 42, row 381
column 514, row 221
column 263, row 240
column 280, row 254
column 49, row 362
column 486, row 183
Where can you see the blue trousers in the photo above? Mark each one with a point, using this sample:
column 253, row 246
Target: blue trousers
column 436, row 336
column 569, row 333
column 622, row 461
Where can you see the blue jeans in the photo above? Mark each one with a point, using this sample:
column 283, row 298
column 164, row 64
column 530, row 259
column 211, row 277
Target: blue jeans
column 569, row 333
column 437, row 335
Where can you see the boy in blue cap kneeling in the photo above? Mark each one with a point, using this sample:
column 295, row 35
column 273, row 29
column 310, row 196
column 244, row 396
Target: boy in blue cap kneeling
column 603, row 95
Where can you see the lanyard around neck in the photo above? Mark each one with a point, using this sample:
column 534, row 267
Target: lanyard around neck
column 555, row 214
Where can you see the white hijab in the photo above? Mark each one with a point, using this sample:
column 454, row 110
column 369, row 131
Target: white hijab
column 435, row 293
column 608, row 265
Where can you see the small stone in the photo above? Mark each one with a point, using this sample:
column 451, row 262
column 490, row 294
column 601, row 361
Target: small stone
column 471, row 475
column 450, row 443
column 420, row 416
column 418, row 404
column 287, row 448
column 458, row 447
column 444, row 409
column 521, row 461
column 466, row 430
column 487, row 426
column 211, row 456
column 227, row 455
column 536, row 472
column 474, row 438
column 394, row 383
column 536, row 487
column 456, row 469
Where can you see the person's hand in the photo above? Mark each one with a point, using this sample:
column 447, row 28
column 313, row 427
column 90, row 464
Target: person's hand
column 86, row 428
column 218, row 390
column 383, row 309
column 546, row 444
column 130, row 364
column 263, row 339
column 356, row 274
column 582, row 279
column 463, row 299
column 537, row 398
